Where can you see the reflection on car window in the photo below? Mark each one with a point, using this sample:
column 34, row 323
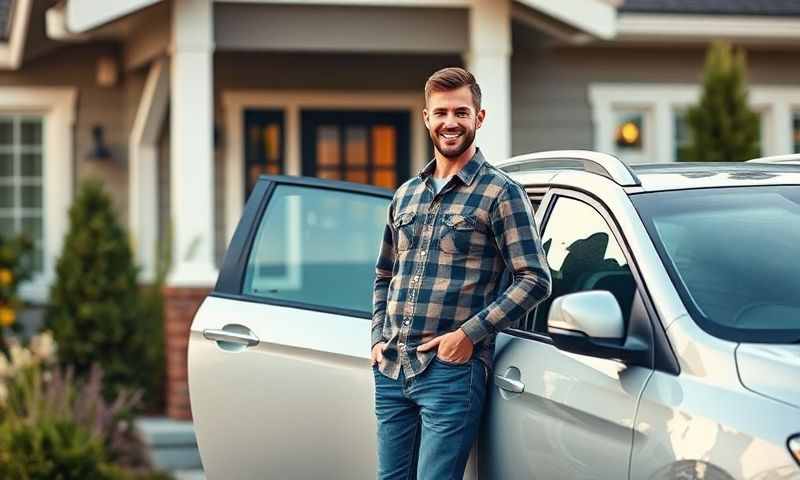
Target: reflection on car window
column 317, row 247
column 583, row 255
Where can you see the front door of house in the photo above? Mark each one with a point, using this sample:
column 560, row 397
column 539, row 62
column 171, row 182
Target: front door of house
column 371, row 147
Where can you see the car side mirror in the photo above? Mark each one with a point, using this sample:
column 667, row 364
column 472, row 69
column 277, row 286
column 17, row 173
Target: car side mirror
column 591, row 323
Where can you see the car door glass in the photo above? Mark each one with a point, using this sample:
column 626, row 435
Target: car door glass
column 317, row 247
column 583, row 255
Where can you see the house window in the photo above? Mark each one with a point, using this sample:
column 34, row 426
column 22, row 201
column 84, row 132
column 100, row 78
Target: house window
column 796, row 131
column 21, row 196
column 682, row 136
column 630, row 135
column 664, row 132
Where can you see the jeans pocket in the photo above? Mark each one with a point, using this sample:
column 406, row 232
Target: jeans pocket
column 451, row 364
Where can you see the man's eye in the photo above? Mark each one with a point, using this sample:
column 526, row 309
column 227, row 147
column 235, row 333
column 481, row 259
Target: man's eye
column 462, row 114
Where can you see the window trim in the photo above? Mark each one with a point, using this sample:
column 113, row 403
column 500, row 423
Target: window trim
column 56, row 106
column 661, row 100
column 230, row 283
column 664, row 358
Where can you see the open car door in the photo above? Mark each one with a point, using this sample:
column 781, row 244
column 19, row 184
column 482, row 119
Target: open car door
column 279, row 374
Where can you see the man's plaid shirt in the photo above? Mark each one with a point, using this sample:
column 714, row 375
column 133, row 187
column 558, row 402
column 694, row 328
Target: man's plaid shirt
column 445, row 260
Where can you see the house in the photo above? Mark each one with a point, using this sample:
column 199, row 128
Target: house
column 179, row 105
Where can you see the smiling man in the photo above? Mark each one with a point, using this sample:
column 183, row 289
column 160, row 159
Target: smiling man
column 460, row 260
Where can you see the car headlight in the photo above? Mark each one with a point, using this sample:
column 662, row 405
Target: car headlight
column 794, row 447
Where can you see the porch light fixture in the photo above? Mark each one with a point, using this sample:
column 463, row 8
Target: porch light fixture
column 100, row 150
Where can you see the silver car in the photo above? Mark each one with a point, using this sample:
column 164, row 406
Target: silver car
column 670, row 348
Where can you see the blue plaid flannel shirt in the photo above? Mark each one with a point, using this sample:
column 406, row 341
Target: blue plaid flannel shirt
column 469, row 257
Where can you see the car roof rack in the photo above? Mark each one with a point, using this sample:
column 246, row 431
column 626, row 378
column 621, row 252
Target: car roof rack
column 794, row 157
column 598, row 163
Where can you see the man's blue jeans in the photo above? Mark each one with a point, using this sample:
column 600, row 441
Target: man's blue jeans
column 427, row 424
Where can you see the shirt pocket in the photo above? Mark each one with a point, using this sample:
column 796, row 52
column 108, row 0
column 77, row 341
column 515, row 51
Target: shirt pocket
column 406, row 231
column 462, row 235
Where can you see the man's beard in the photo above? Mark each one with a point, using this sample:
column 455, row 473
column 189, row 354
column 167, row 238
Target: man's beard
column 456, row 150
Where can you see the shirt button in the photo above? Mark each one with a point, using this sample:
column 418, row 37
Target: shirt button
column 406, row 322
column 416, row 279
column 424, row 253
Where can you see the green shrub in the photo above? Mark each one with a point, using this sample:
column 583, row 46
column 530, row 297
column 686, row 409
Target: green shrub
column 51, row 423
column 51, row 450
column 95, row 305
column 722, row 127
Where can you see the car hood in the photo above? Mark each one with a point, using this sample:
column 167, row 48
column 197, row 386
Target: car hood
column 771, row 370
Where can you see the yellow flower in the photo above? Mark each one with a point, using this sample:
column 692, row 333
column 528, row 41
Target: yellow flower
column 6, row 277
column 7, row 316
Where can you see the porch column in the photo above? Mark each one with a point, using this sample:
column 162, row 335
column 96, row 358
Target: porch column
column 489, row 59
column 191, row 189
column 192, row 166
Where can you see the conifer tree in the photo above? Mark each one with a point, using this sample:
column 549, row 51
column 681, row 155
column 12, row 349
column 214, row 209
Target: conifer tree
column 722, row 127
column 94, row 301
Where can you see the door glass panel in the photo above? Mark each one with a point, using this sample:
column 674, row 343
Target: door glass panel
column 6, row 131
column 384, row 138
column 328, row 146
column 6, row 164
column 363, row 146
column 264, row 149
column 583, row 255
column 356, row 147
column 317, row 247
column 385, row 178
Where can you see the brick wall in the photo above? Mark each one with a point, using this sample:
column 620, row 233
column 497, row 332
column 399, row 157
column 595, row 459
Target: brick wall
column 180, row 306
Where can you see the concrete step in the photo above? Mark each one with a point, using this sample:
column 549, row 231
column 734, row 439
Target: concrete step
column 171, row 443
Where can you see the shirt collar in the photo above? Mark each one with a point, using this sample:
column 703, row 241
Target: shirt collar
column 467, row 173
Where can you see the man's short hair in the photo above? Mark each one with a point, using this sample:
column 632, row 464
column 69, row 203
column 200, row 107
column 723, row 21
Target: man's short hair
column 453, row 78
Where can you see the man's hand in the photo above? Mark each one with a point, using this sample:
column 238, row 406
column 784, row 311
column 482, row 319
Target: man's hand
column 377, row 352
column 454, row 347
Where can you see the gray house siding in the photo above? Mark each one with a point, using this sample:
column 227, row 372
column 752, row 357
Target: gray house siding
column 550, row 86
column 113, row 108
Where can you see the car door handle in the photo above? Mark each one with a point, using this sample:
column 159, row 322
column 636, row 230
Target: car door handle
column 508, row 384
column 232, row 337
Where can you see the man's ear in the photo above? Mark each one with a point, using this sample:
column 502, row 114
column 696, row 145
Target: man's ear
column 425, row 118
column 480, row 116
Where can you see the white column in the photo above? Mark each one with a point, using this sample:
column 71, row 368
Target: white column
column 191, row 162
column 489, row 59
column 143, row 167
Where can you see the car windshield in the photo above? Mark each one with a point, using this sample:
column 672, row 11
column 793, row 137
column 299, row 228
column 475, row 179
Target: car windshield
column 733, row 256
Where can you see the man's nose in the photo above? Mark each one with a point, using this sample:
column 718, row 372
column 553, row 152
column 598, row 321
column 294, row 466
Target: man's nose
column 450, row 121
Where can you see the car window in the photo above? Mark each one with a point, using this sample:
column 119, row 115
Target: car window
column 583, row 255
column 317, row 247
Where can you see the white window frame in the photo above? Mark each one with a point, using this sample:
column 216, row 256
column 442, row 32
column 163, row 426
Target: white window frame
column 235, row 102
column 774, row 103
column 56, row 106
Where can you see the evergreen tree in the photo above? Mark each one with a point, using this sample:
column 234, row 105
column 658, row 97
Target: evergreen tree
column 94, row 301
column 722, row 127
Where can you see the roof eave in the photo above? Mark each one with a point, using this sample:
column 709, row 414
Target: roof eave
column 690, row 27
column 11, row 51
